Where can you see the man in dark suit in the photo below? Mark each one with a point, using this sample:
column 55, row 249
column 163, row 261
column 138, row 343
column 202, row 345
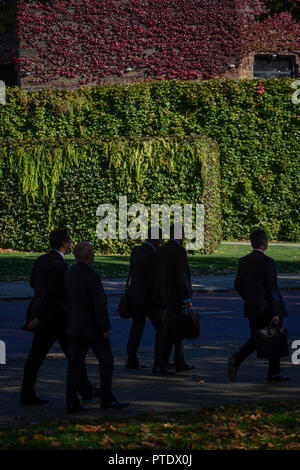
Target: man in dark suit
column 139, row 293
column 172, row 289
column 88, row 327
column 256, row 283
column 47, row 316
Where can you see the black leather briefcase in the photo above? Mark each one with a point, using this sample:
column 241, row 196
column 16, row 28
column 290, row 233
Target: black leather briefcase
column 186, row 325
column 272, row 341
column 124, row 304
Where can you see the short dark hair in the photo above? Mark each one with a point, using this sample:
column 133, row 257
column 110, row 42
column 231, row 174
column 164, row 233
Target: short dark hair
column 58, row 236
column 258, row 237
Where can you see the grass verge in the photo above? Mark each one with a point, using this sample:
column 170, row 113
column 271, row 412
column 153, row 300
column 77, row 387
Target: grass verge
column 16, row 266
column 268, row 426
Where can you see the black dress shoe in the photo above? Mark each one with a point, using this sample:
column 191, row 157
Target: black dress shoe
column 34, row 401
column 170, row 365
column 184, row 367
column 277, row 378
column 76, row 409
column 134, row 365
column 232, row 369
column 162, row 371
column 95, row 393
column 115, row 404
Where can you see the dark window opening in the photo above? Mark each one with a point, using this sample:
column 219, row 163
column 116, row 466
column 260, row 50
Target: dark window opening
column 274, row 66
column 8, row 74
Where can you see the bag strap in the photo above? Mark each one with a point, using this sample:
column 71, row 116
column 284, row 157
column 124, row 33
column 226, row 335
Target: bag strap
column 128, row 279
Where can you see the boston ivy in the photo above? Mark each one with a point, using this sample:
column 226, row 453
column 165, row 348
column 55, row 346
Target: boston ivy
column 86, row 41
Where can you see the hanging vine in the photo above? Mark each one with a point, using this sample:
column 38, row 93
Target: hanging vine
column 40, row 165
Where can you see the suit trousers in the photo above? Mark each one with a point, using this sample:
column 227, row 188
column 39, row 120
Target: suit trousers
column 139, row 315
column 250, row 346
column 78, row 350
column 42, row 342
column 167, row 339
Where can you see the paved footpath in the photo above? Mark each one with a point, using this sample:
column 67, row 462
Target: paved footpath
column 295, row 245
column 210, row 283
column 206, row 385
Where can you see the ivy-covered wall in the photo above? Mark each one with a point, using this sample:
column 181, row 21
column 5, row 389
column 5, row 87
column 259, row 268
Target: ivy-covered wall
column 60, row 182
column 75, row 42
column 255, row 124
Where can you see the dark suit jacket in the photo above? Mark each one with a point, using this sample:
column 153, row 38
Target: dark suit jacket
column 50, row 303
column 171, row 275
column 256, row 283
column 89, row 316
column 141, row 267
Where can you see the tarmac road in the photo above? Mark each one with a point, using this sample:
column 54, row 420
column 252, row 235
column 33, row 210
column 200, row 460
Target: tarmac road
column 223, row 328
column 222, row 321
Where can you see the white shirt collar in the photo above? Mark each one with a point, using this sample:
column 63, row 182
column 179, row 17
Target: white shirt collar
column 61, row 254
column 257, row 249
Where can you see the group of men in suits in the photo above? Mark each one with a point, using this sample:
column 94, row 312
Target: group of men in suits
column 70, row 306
column 160, row 285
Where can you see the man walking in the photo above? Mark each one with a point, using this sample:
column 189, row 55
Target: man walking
column 256, row 283
column 140, row 298
column 88, row 327
column 172, row 289
column 47, row 316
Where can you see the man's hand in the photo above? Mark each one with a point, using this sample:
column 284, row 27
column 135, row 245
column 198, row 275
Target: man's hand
column 276, row 319
column 33, row 324
column 107, row 334
column 188, row 304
